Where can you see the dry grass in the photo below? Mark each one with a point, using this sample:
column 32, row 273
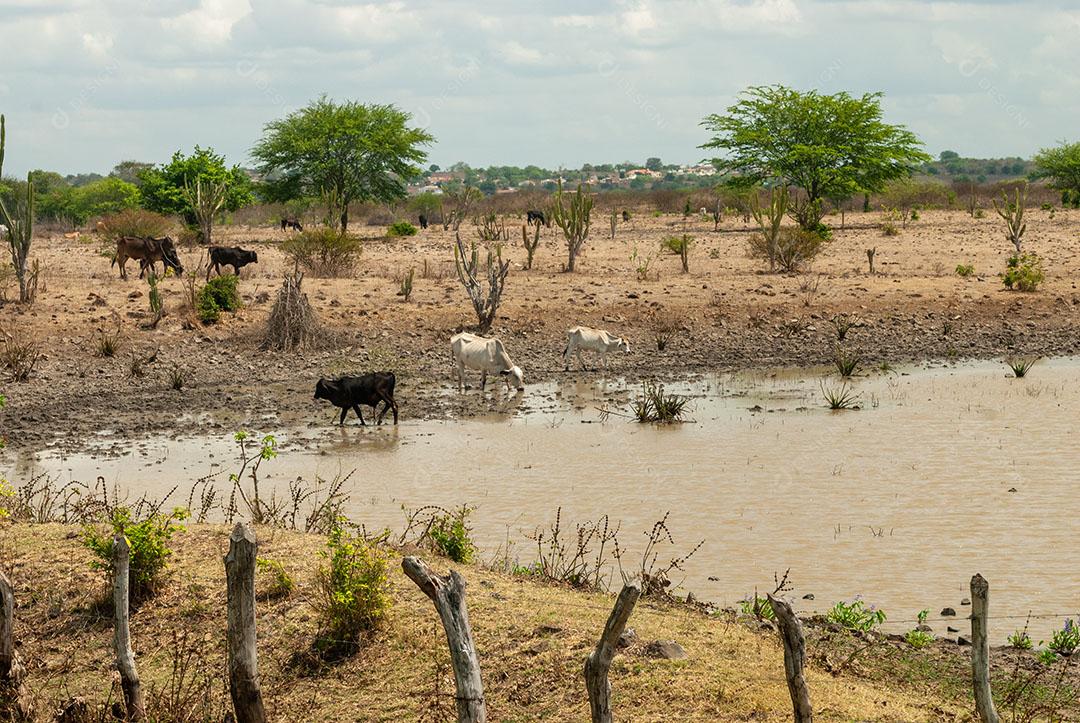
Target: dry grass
column 532, row 639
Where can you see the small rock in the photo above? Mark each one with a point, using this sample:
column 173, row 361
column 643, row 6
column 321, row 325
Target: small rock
column 948, row 613
column 951, row 629
column 666, row 649
column 961, row 640
column 808, row 596
column 965, row 601
column 924, row 628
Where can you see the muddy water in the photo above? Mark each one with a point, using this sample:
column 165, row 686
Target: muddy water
column 944, row 472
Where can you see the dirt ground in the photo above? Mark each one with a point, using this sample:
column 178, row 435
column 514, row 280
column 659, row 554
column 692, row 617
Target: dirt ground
column 730, row 315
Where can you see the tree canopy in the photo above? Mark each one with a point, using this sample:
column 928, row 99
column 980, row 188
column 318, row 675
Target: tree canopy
column 163, row 187
column 78, row 204
column 831, row 146
column 1061, row 165
column 344, row 152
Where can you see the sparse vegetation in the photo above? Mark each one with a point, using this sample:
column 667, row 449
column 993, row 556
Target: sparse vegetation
column 1012, row 212
column 847, row 363
column 965, row 271
column 483, row 281
column 1020, row 640
column 573, row 216
column 1020, row 366
column 680, row 246
column 918, row 638
column 281, row 582
column 406, row 286
column 19, row 354
column 766, row 244
column 657, row 406
column 843, row 323
column 292, row 325
column 450, row 534
column 796, row 248
column 838, row 398
column 855, row 615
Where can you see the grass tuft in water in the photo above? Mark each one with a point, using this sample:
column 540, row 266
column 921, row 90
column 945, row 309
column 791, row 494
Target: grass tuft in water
column 1021, row 366
column 842, row 397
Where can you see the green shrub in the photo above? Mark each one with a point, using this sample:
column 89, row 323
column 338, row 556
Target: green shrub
column 281, row 583
column 1066, row 641
column 134, row 222
column 218, row 295
column 965, row 270
column 149, row 540
column 1021, row 640
column 353, row 588
column 918, row 638
column 1023, row 272
column 855, row 616
column 324, row 251
column 758, row 607
column 450, row 534
column 675, row 244
column 401, row 228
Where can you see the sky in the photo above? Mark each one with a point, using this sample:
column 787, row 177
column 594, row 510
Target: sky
column 88, row 83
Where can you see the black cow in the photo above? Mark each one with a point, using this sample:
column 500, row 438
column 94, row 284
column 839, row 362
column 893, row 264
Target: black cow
column 537, row 216
column 233, row 256
column 423, row 221
column 350, row 392
column 287, row 223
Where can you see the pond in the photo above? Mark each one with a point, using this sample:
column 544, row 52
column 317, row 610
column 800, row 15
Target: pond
column 945, row 471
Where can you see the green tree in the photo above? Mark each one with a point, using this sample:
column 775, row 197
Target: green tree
column 130, row 171
column 1062, row 166
column 349, row 151
column 654, row 164
column 949, row 156
column 78, row 204
column 164, row 188
column 831, row 146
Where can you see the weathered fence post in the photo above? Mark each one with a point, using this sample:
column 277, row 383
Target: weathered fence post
column 980, row 649
column 134, row 706
column 598, row 663
column 448, row 594
column 16, row 697
column 794, row 658
column 240, row 635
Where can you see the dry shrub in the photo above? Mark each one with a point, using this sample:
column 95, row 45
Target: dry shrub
column 134, row 222
column 324, row 251
column 293, row 325
column 796, row 248
column 19, row 354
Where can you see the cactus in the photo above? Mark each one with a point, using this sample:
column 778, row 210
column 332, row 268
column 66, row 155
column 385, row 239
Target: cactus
column 20, row 226
column 769, row 219
column 573, row 220
column 484, row 282
column 205, row 199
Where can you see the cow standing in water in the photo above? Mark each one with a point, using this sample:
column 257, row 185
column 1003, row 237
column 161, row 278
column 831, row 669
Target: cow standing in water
column 598, row 340
column 484, row 355
column 351, row 392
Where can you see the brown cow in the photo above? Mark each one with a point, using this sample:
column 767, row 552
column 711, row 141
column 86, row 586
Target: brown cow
column 148, row 251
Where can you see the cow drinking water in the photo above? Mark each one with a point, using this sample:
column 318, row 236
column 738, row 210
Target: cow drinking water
column 598, row 340
column 351, row 392
column 484, row 355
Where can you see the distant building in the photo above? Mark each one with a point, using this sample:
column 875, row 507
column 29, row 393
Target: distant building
column 439, row 177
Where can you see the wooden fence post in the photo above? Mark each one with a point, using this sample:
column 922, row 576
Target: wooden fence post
column 980, row 649
column 16, row 697
column 240, row 634
column 448, row 594
column 134, row 705
column 794, row 658
column 598, row 663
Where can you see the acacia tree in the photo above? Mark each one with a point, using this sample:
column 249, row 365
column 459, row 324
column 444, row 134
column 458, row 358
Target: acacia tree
column 18, row 219
column 1062, row 166
column 830, row 146
column 353, row 151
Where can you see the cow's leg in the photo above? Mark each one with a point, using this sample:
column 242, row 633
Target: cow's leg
column 344, row 411
column 603, row 358
column 483, row 379
column 581, row 360
column 121, row 260
column 567, row 353
column 356, row 408
column 209, row 268
column 461, row 377
column 393, row 405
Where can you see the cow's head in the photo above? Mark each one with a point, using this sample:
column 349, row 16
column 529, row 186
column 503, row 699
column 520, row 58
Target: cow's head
column 252, row 257
column 624, row 345
column 169, row 257
column 323, row 389
column 514, row 378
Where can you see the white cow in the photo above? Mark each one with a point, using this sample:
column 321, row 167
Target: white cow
column 3, row 231
column 598, row 340
column 484, row 355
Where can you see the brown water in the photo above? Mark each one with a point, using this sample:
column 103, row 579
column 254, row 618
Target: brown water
column 899, row 503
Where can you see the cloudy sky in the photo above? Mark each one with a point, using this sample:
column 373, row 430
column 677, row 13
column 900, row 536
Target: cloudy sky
column 87, row 83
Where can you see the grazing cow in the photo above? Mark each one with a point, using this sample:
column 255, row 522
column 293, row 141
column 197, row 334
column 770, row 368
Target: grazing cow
column 350, row 392
column 287, row 223
column 625, row 215
column 598, row 340
column 484, row 355
column 148, row 251
column 423, row 221
column 233, row 256
column 537, row 216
